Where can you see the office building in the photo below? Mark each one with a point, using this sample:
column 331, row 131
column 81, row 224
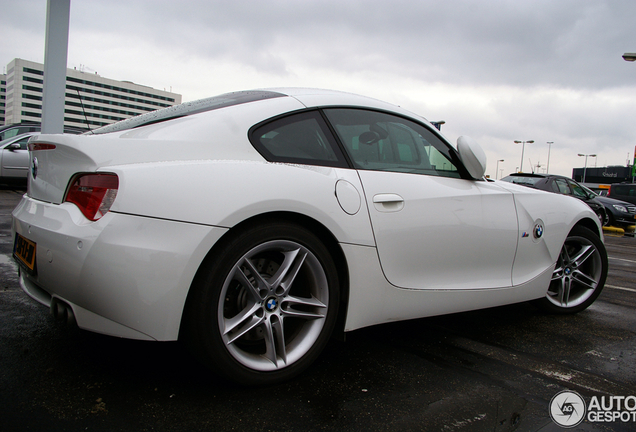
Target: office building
column 3, row 96
column 91, row 100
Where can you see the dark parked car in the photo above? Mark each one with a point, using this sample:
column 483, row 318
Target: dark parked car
column 621, row 213
column 623, row 192
column 561, row 185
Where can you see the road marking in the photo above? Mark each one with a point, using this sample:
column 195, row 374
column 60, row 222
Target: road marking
column 620, row 288
column 551, row 370
column 622, row 259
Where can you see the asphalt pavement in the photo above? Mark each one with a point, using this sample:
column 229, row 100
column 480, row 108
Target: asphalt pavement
column 491, row 370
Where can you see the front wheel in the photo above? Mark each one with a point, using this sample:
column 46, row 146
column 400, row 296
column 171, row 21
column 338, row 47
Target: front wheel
column 579, row 275
column 266, row 306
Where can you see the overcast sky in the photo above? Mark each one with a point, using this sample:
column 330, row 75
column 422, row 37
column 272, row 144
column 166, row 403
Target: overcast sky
column 498, row 71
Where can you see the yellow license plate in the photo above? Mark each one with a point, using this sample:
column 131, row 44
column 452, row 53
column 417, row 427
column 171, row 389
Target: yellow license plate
column 24, row 252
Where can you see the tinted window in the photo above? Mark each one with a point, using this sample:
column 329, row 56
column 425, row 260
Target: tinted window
column 300, row 138
column 626, row 190
column 578, row 190
column 15, row 131
column 527, row 181
column 23, row 142
column 562, row 186
column 380, row 141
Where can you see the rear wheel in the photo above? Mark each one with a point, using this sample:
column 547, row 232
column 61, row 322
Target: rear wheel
column 266, row 306
column 579, row 275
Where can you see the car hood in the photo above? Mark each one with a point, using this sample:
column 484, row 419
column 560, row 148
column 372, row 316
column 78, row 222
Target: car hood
column 612, row 201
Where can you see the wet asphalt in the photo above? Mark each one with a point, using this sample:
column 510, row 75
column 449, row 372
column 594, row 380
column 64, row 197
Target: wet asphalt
column 489, row 370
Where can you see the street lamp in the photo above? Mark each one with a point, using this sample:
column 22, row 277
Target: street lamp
column 629, row 56
column 547, row 170
column 523, row 147
column 585, row 168
column 500, row 160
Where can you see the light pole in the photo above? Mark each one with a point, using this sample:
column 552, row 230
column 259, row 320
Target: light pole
column 523, row 147
column 630, row 57
column 547, row 170
column 585, row 168
column 500, row 160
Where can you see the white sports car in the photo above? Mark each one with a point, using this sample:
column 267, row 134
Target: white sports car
column 256, row 224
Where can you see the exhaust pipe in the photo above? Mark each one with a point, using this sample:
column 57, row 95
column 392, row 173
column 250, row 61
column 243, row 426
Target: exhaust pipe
column 62, row 312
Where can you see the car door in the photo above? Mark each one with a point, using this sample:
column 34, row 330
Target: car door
column 15, row 162
column 434, row 228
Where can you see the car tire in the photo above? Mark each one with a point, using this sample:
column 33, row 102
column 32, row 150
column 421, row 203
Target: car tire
column 264, row 307
column 579, row 274
column 602, row 216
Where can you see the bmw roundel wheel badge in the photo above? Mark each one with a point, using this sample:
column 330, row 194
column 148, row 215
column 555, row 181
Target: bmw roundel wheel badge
column 271, row 304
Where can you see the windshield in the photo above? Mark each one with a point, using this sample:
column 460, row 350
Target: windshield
column 589, row 191
column 526, row 181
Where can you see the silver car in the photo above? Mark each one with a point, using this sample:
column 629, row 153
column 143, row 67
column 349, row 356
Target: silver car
column 14, row 158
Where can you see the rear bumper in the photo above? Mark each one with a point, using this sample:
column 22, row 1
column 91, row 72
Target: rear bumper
column 123, row 275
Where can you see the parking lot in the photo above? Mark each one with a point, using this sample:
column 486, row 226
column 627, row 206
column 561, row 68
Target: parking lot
column 489, row 370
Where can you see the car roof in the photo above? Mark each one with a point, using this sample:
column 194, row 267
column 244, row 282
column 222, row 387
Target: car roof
column 15, row 125
column 309, row 97
column 18, row 137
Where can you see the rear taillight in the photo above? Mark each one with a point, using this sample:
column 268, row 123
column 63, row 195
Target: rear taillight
column 94, row 194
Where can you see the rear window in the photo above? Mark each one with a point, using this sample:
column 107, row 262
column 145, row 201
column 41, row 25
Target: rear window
column 188, row 108
column 625, row 190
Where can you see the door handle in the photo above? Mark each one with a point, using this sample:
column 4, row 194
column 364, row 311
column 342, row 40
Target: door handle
column 388, row 202
column 387, row 198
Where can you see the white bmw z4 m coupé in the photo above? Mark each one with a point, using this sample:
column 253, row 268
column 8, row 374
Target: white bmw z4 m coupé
column 255, row 225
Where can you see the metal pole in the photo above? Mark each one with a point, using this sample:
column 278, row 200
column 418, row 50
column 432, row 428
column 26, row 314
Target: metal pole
column 55, row 54
column 497, row 170
column 547, row 171
column 523, row 148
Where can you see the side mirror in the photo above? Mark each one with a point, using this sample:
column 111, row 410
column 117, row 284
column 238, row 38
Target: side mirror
column 13, row 147
column 473, row 156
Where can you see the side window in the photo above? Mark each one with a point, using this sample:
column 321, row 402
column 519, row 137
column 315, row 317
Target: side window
column 578, row 190
column 9, row 134
column 555, row 187
column 23, row 142
column 563, row 187
column 302, row 138
column 383, row 142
